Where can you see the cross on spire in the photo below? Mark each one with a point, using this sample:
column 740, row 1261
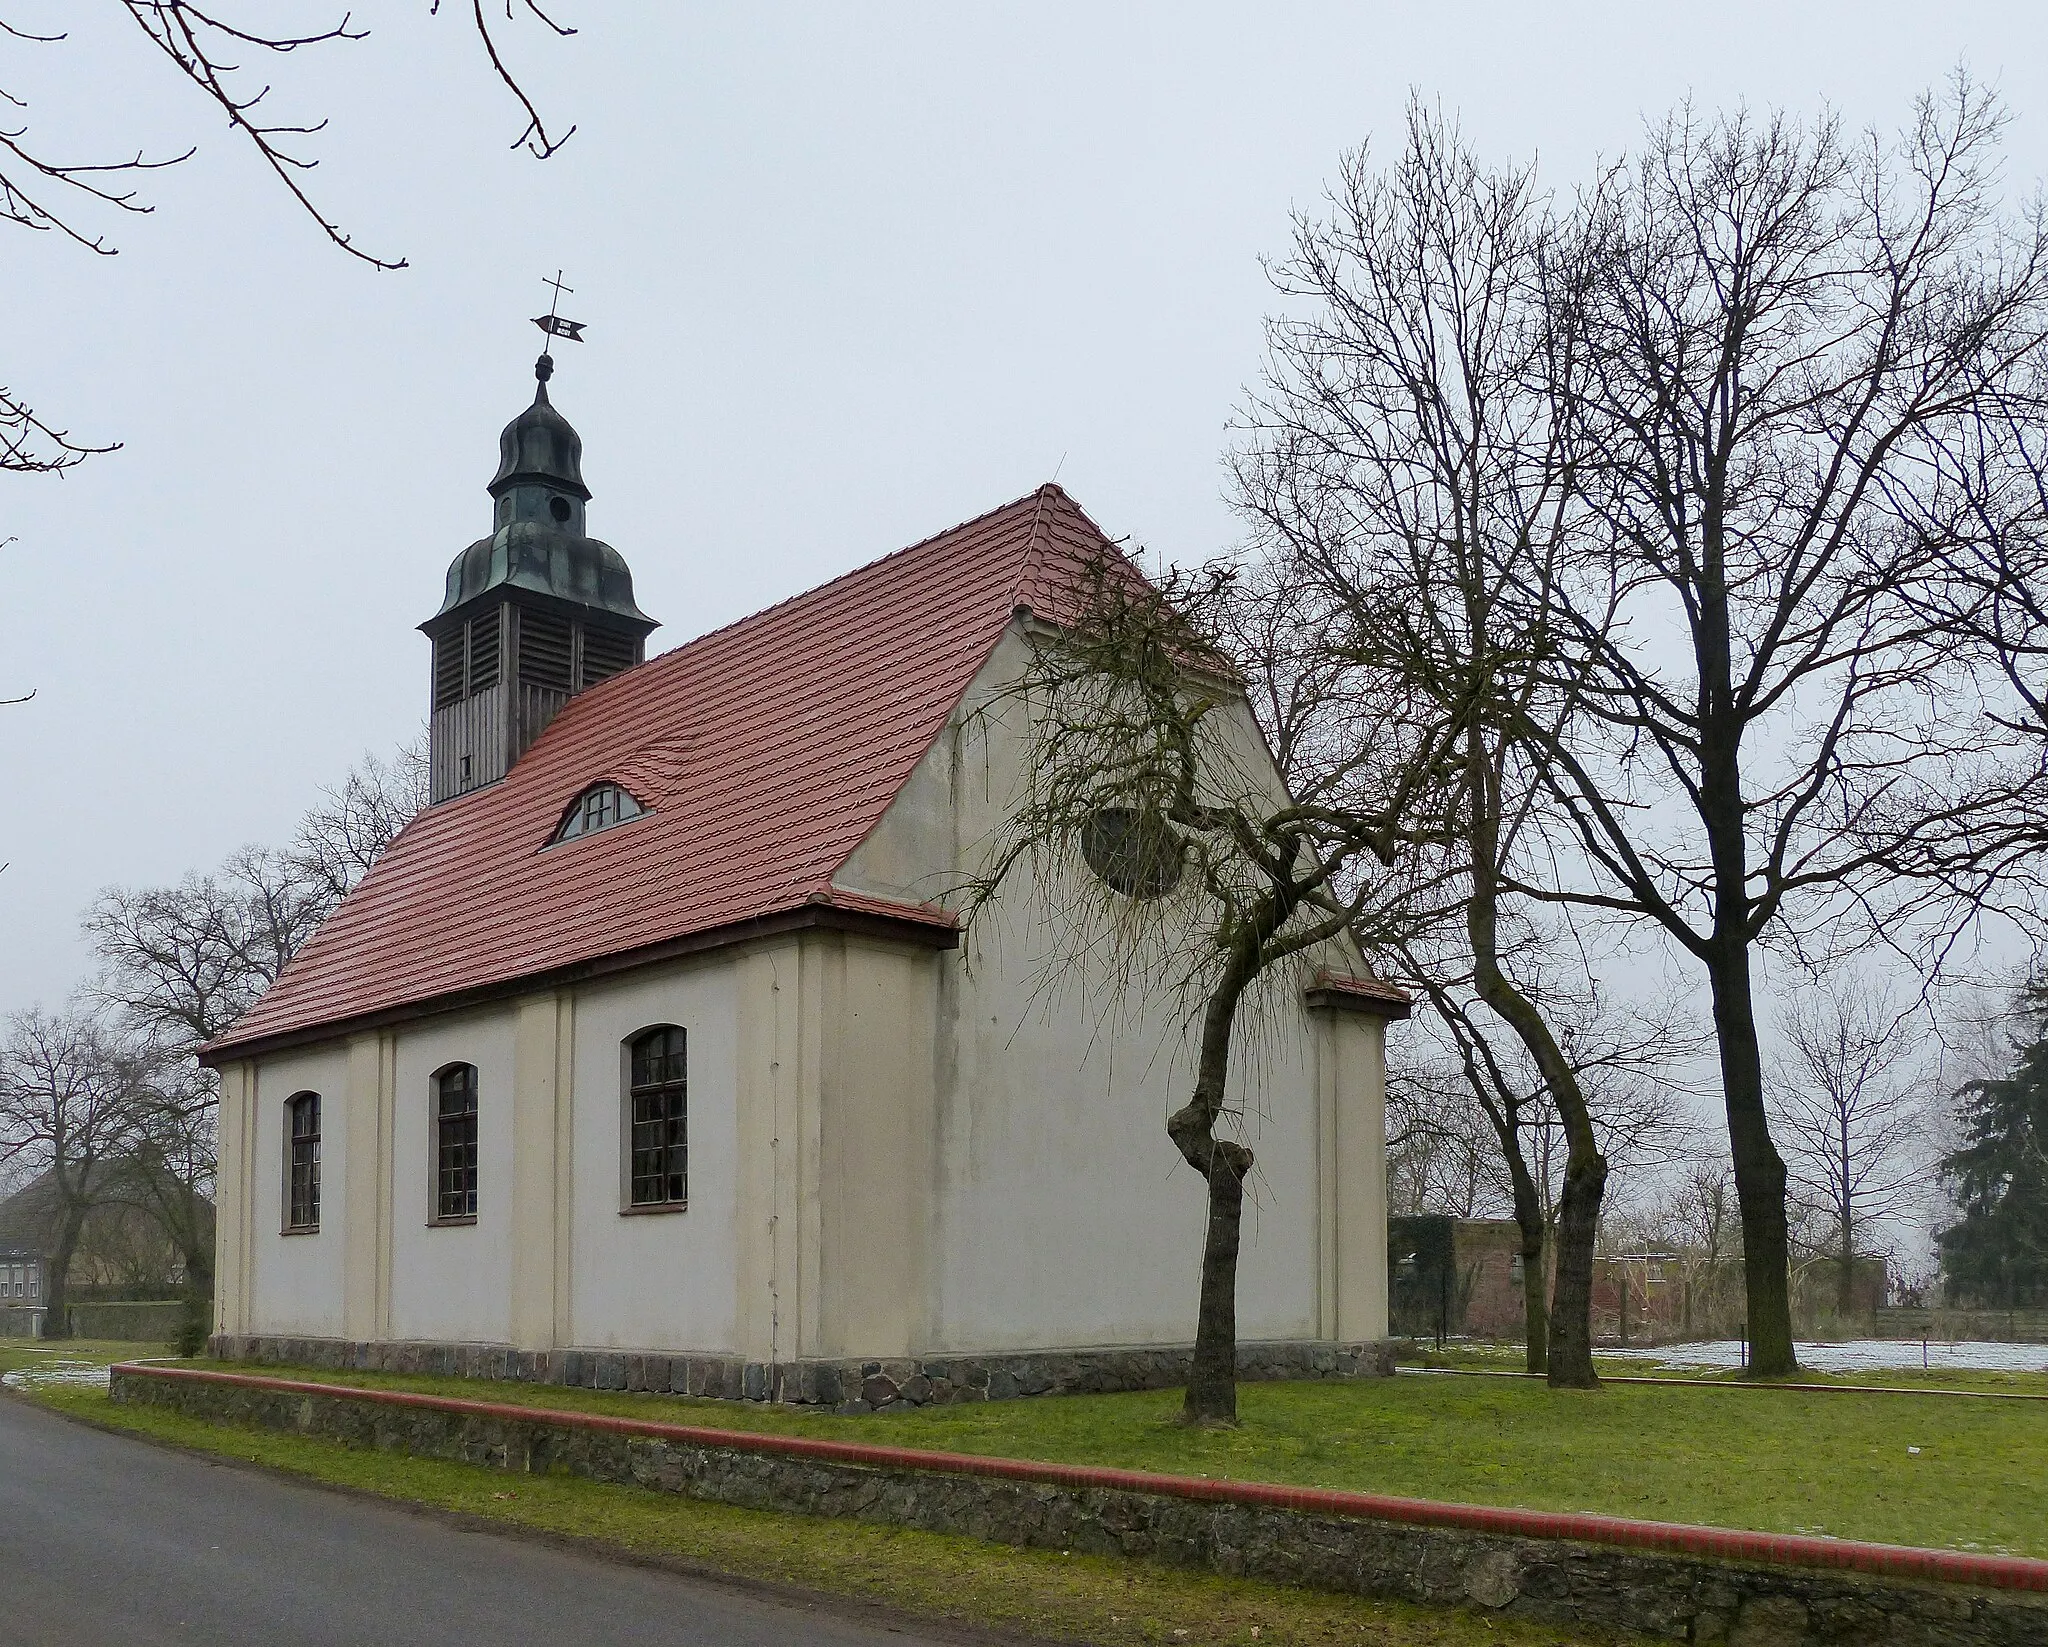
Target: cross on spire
column 554, row 323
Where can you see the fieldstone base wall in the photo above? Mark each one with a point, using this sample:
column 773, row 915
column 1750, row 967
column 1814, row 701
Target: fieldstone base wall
column 844, row 1386
column 1555, row 1579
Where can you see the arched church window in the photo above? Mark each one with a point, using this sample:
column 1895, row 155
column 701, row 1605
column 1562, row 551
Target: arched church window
column 657, row 1119
column 1135, row 852
column 598, row 807
column 455, row 1164
column 302, row 1162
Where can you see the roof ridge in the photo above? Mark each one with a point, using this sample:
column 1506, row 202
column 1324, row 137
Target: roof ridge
column 598, row 690
column 850, row 572
column 1034, row 548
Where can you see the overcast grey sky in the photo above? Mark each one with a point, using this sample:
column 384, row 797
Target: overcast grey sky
column 850, row 275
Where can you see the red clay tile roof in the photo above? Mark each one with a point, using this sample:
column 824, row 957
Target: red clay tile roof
column 1359, row 994
column 764, row 752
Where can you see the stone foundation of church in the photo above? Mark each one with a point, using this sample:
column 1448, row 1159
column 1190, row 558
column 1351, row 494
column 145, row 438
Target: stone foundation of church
column 844, row 1386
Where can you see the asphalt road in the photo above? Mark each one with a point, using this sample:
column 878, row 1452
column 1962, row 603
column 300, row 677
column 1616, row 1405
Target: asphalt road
column 106, row 1540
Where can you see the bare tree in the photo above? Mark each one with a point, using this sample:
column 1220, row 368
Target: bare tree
column 179, row 964
column 1626, row 1060
column 1849, row 1099
column 1442, row 1154
column 1699, row 1220
column 70, row 1101
column 357, row 820
column 183, row 962
column 167, row 1171
column 1410, row 458
column 1783, row 337
column 210, row 47
column 1166, row 844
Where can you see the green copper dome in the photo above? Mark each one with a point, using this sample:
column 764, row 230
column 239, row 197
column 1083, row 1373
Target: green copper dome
column 538, row 544
column 538, row 445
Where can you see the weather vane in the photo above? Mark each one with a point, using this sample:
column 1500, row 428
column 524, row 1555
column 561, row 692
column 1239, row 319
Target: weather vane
column 553, row 322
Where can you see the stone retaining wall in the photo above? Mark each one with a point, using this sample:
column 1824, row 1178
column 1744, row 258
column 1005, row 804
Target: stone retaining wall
column 844, row 1386
column 1686, row 1584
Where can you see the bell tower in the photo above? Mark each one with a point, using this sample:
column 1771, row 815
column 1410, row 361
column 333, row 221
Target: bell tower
column 533, row 613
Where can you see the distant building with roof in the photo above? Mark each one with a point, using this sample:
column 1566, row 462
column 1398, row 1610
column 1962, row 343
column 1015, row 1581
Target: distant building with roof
column 651, row 1051
column 21, row 1291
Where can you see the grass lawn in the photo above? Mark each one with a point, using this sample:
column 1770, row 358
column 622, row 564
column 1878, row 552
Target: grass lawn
column 1035, row 1592
column 1957, row 1474
column 57, row 1358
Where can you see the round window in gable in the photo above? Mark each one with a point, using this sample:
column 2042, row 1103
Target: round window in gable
column 1134, row 852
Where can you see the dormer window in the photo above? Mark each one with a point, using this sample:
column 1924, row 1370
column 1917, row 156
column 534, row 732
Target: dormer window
column 598, row 807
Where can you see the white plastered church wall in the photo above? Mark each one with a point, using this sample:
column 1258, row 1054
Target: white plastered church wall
column 660, row 1280
column 294, row 1281
column 1060, row 1213
column 451, row 1281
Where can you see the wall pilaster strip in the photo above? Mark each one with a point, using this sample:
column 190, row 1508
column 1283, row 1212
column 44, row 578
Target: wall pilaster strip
column 562, row 1321
column 535, row 1212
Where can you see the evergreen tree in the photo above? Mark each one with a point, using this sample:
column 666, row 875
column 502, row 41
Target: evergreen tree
column 1997, row 1254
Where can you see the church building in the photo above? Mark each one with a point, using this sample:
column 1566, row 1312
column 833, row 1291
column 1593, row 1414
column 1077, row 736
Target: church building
column 654, row 1054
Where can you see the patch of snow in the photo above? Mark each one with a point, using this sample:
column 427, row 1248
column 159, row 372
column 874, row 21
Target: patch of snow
column 1871, row 1355
column 91, row 1374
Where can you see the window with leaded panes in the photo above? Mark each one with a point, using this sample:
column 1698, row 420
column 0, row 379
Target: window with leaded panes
column 302, row 1161
column 658, row 1145
column 598, row 807
column 455, row 1174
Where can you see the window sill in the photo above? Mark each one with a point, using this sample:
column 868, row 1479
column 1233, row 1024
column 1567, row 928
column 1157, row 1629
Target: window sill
column 654, row 1209
column 451, row 1223
column 300, row 1229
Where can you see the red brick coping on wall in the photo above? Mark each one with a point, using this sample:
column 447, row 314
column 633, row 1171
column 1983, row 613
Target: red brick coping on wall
column 1716, row 1543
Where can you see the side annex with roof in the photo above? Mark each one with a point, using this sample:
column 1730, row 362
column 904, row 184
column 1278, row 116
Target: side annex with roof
column 651, row 1054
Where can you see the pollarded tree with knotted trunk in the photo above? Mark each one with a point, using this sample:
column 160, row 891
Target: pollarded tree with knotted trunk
column 1196, row 861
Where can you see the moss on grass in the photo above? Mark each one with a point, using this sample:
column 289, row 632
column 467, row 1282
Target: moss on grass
column 1040, row 1593
column 1970, row 1475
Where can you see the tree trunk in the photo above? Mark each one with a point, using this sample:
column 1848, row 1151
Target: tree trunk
column 1212, row 1380
column 1223, row 1164
column 195, row 1243
column 1578, row 1226
column 1585, row 1172
column 1845, row 1295
column 1535, row 1310
column 57, row 1273
column 199, row 1268
column 1529, row 1222
column 1759, row 1169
